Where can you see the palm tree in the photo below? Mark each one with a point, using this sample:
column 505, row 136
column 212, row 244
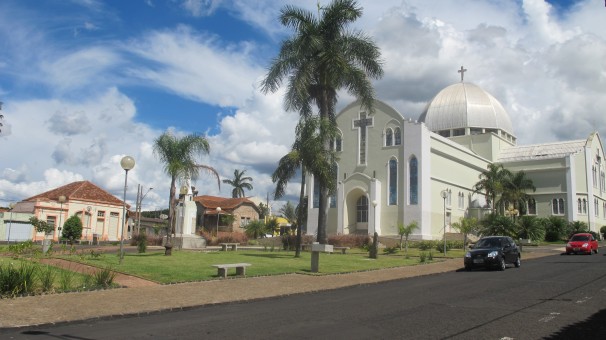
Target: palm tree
column 289, row 212
column 178, row 156
column 307, row 153
column 239, row 183
column 405, row 231
column 322, row 57
column 514, row 190
column 491, row 183
column 466, row 225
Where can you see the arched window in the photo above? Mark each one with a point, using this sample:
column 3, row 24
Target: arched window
column 393, row 182
column 532, row 207
column 338, row 143
column 579, row 206
column 413, row 181
column 333, row 198
column 362, row 210
column 561, row 205
column 388, row 137
column 584, row 206
column 398, row 135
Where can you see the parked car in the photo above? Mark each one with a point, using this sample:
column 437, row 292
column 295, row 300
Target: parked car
column 584, row 243
column 493, row 252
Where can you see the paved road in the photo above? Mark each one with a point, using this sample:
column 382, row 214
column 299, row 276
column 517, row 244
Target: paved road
column 554, row 297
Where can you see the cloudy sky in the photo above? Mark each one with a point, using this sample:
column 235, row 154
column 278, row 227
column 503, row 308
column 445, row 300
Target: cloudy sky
column 85, row 82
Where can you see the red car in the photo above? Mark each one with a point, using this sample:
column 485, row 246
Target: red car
column 582, row 243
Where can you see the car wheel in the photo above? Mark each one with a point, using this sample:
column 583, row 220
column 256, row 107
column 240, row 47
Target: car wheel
column 518, row 263
column 596, row 250
column 502, row 264
column 590, row 252
column 468, row 268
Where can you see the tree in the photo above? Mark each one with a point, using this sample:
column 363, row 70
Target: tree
column 272, row 226
column 491, row 183
column 41, row 226
column 405, row 231
column 555, row 228
column 228, row 220
column 529, row 227
column 178, row 156
column 255, row 229
column 72, row 229
column 575, row 227
column 515, row 186
column 322, row 57
column 307, row 153
column 239, row 183
column 263, row 210
column 466, row 225
column 494, row 224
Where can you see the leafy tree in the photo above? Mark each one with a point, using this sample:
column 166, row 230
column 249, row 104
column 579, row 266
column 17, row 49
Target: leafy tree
column 240, row 182
column 530, row 227
column 494, row 224
column 491, row 183
column 466, row 225
column 41, row 226
column 178, row 156
column 405, row 231
column 255, row 229
column 263, row 210
column 228, row 220
column 322, row 57
column 72, row 229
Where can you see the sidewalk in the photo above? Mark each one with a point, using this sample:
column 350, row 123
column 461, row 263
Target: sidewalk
column 145, row 299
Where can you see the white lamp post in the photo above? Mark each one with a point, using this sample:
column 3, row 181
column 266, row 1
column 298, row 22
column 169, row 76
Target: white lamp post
column 10, row 222
column 374, row 214
column 444, row 194
column 127, row 163
column 218, row 215
column 61, row 199
column 139, row 210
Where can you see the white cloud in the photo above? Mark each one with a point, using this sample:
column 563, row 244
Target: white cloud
column 197, row 66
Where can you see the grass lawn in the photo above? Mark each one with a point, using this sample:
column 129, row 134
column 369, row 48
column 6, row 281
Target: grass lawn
column 185, row 265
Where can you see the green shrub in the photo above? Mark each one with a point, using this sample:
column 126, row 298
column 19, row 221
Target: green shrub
column 424, row 245
column 139, row 240
column 66, row 280
column 289, row 241
column 17, row 281
column 104, row 277
column 422, row 257
column 72, row 229
column 349, row 240
column 46, row 276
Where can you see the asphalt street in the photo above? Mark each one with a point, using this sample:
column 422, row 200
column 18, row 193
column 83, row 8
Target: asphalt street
column 555, row 297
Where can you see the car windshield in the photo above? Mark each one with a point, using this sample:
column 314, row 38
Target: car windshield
column 488, row 243
column 580, row 238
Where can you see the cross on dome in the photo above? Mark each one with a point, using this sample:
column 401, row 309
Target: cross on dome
column 462, row 72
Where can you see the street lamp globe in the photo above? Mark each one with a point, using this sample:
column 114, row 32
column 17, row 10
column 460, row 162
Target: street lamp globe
column 127, row 163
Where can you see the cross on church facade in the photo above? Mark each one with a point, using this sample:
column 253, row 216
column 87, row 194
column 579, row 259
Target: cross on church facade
column 362, row 123
column 462, row 72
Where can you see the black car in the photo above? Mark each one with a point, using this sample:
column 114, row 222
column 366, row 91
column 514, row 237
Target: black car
column 493, row 252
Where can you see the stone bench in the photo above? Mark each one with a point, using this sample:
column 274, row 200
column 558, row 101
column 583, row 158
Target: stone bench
column 342, row 249
column 240, row 268
column 233, row 246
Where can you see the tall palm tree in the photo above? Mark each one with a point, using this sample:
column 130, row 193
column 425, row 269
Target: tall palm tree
column 322, row 57
column 491, row 183
column 178, row 156
column 307, row 153
column 515, row 186
column 239, row 183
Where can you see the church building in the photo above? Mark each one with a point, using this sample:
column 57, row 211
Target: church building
column 393, row 169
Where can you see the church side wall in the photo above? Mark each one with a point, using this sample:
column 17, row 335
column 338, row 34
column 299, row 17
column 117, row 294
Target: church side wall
column 455, row 170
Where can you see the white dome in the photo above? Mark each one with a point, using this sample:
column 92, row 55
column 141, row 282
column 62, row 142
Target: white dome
column 465, row 105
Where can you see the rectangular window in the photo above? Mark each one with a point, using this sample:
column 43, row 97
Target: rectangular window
column 532, row 207
column 461, row 200
column 51, row 220
column 100, row 213
column 596, row 207
column 114, row 214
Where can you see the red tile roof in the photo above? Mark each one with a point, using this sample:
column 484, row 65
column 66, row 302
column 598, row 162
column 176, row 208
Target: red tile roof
column 81, row 191
column 211, row 203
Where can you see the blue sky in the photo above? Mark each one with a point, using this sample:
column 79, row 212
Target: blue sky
column 85, row 82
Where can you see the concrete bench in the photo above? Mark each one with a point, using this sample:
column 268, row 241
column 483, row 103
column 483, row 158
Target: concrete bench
column 240, row 268
column 342, row 249
column 233, row 246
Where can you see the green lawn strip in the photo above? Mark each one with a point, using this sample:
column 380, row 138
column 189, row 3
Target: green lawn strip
column 185, row 266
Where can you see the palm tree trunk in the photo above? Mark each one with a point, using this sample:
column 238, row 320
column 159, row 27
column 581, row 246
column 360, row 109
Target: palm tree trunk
column 300, row 214
column 171, row 217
